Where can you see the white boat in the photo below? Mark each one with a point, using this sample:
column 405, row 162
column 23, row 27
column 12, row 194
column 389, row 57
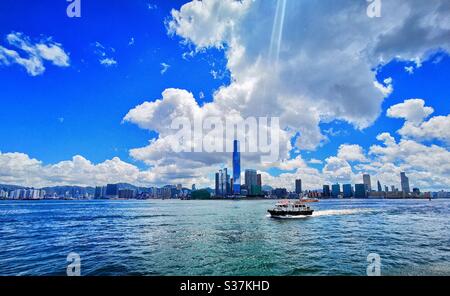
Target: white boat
column 288, row 209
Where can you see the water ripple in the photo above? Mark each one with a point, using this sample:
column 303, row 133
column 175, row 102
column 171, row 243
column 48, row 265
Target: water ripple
column 223, row 238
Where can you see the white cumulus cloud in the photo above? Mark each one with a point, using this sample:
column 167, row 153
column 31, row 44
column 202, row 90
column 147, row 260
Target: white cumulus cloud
column 413, row 110
column 36, row 53
column 416, row 127
column 20, row 169
column 351, row 153
column 437, row 127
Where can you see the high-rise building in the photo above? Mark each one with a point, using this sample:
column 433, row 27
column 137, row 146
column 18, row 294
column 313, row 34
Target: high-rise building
column 223, row 181
column 98, row 192
column 386, row 189
column 217, row 184
column 127, row 193
column 367, row 183
column 298, row 186
column 112, row 190
column 153, row 192
column 379, row 186
column 258, row 187
column 223, row 186
column 33, row 194
column 236, row 168
column 360, row 191
column 227, row 182
column 3, row 194
column 335, row 190
column 326, row 190
column 347, row 190
column 166, row 192
column 251, row 181
column 404, row 180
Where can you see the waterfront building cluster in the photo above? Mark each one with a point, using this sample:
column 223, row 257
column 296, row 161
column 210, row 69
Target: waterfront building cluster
column 22, row 193
column 226, row 186
column 121, row 191
column 364, row 190
column 251, row 188
column 231, row 187
column 108, row 191
column 57, row 192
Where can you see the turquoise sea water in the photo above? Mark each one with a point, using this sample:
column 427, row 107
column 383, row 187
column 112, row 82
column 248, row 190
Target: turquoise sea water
column 223, row 238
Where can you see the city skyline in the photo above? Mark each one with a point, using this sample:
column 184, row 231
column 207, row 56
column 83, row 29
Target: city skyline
column 94, row 107
column 226, row 185
column 225, row 188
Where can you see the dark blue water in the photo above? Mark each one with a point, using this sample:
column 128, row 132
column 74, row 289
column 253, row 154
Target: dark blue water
column 223, row 238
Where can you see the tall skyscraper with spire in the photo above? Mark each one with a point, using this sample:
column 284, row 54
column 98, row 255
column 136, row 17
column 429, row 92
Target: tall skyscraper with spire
column 236, row 168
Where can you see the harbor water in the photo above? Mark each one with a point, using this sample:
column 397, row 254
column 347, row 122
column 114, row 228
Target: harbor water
column 217, row 237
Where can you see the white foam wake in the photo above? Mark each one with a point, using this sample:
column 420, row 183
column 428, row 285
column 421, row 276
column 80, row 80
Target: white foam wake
column 340, row 212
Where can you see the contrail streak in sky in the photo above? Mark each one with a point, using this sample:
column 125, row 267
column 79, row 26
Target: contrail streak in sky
column 277, row 32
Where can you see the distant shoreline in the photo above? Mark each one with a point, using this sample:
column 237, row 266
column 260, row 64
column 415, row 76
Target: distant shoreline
column 217, row 199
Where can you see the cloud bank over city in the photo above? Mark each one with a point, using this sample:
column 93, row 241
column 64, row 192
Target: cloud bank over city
column 307, row 63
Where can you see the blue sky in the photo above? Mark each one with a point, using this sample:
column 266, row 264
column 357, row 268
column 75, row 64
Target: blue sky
column 79, row 109
column 90, row 97
column 428, row 82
